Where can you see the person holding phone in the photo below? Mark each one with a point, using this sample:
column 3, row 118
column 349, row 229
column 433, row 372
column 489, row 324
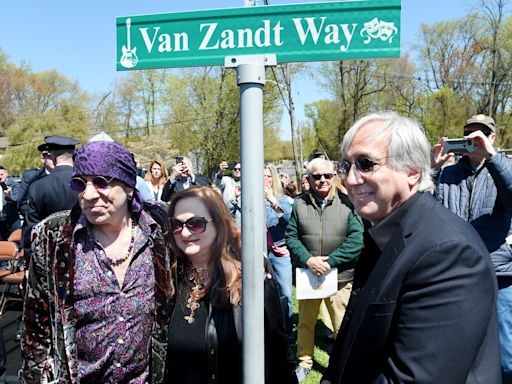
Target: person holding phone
column 182, row 177
column 478, row 188
column 227, row 184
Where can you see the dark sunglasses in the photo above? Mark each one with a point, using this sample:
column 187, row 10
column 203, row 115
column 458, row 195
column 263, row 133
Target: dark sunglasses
column 195, row 224
column 101, row 183
column 486, row 132
column 363, row 165
column 236, row 169
column 318, row 176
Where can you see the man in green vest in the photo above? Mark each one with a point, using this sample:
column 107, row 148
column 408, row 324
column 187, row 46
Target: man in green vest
column 323, row 233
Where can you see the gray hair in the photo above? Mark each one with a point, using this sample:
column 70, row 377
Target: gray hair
column 408, row 147
column 318, row 162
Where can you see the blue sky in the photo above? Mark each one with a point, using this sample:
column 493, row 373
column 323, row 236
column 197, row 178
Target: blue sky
column 78, row 37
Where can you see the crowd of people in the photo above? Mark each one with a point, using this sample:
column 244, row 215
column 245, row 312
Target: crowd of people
column 133, row 280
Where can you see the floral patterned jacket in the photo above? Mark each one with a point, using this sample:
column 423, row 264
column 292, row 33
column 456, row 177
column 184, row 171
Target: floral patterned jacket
column 48, row 338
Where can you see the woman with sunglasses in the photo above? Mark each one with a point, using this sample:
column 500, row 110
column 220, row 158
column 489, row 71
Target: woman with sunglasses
column 205, row 340
column 99, row 282
column 156, row 178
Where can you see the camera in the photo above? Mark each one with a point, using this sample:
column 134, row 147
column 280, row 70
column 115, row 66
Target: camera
column 458, row 146
column 179, row 159
column 232, row 164
column 3, row 185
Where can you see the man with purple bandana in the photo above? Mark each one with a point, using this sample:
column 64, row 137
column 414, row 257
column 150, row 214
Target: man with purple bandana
column 99, row 283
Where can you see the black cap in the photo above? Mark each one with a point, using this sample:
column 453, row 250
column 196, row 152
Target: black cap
column 58, row 143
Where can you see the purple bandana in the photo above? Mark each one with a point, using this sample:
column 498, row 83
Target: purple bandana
column 109, row 159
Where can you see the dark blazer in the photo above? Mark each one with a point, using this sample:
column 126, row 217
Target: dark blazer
column 170, row 189
column 48, row 195
column 29, row 176
column 423, row 310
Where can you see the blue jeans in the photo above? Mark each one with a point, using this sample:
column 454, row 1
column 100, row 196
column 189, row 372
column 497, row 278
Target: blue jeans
column 283, row 274
column 504, row 308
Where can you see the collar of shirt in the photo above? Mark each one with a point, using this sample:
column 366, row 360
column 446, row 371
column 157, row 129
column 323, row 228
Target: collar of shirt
column 382, row 232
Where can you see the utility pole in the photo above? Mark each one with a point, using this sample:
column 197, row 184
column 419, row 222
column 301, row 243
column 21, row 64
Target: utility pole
column 291, row 111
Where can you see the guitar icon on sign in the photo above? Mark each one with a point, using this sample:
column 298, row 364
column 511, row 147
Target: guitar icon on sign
column 129, row 58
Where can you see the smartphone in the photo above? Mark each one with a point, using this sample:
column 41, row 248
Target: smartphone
column 179, row 159
column 458, row 146
column 3, row 185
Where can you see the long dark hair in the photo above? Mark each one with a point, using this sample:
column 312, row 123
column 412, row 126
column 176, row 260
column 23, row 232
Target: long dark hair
column 225, row 285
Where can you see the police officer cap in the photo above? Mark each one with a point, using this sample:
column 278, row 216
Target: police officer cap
column 58, row 142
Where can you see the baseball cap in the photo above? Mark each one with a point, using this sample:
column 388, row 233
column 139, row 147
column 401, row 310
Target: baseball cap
column 483, row 120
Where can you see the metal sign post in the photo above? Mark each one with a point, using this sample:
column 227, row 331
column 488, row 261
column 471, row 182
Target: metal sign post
column 251, row 79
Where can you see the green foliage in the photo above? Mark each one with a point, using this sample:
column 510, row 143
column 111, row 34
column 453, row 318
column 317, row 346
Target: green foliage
column 462, row 68
column 445, row 116
column 326, row 118
column 204, row 115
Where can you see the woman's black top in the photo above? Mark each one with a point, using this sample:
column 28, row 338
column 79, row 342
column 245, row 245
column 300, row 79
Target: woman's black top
column 187, row 354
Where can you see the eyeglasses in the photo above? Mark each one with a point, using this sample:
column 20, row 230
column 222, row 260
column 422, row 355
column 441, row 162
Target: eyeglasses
column 486, row 132
column 100, row 183
column 318, row 176
column 195, row 224
column 363, row 165
column 236, row 169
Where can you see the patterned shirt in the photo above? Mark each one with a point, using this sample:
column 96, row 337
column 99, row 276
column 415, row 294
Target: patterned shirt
column 113, row 323
column 48, row 343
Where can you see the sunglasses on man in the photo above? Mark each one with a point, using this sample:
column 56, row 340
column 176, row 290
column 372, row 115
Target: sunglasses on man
column 318, row 176
column 363, row 165
column 100, row 183
column 486, row 132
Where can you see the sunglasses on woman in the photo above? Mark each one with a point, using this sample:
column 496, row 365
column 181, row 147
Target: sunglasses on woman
column 363, row 165
column 100, row 183
column 195, row 224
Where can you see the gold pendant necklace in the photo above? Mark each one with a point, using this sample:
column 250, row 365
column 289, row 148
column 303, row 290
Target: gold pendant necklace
column 198, row 277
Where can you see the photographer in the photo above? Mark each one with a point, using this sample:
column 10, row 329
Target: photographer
column 182, row 177
column 478, row 188
column 228, row 184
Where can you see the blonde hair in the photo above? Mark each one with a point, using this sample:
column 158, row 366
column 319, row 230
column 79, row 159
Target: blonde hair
column 160, row 181
column 277, row 187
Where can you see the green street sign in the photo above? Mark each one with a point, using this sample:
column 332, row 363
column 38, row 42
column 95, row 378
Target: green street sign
column 337, row 30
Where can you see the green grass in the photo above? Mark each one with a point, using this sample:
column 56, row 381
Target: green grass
column 321, row 355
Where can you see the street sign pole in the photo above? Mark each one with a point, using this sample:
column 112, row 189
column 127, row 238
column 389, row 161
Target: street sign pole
column 251, row 79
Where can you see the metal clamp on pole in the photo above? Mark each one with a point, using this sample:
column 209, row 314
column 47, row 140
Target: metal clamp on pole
column 251, row 79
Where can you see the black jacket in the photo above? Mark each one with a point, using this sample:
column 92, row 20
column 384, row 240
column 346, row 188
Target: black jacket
column 278, row 368
column 170, row 188
column 422, row 309
column 48, row 195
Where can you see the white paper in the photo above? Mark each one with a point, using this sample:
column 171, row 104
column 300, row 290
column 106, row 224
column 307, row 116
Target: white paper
column 310, row 286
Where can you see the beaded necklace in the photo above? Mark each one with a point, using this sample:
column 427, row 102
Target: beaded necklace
column 198, row 277
column 118, row 262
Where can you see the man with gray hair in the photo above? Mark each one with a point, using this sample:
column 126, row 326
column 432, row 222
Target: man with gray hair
column 323, row 233
column 422, row 308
